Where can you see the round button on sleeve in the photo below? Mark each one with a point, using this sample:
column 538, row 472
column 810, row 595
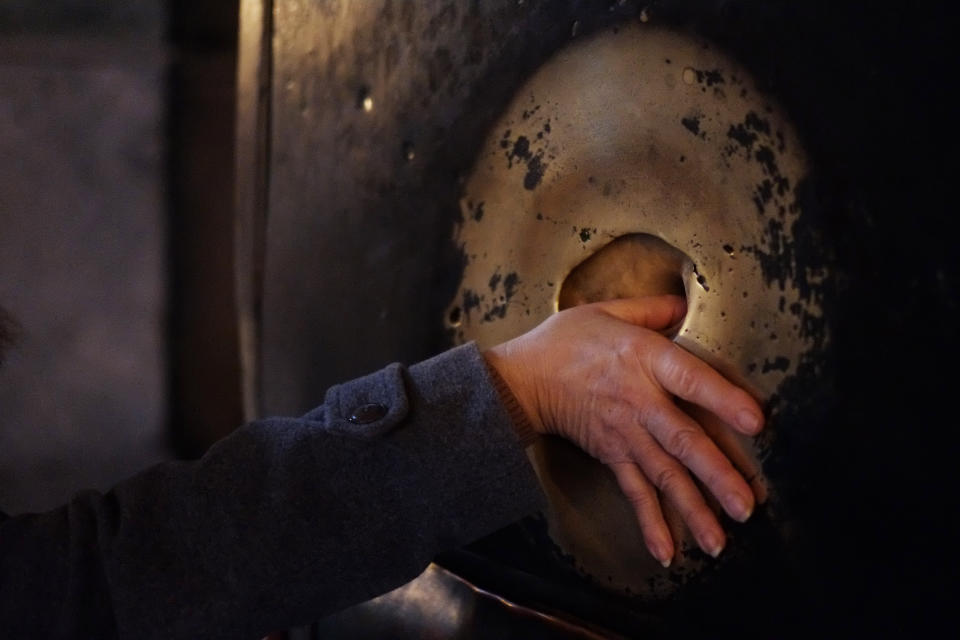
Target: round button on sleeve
column 367, row 413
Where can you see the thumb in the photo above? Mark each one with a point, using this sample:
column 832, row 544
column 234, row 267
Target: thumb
column 653, row 312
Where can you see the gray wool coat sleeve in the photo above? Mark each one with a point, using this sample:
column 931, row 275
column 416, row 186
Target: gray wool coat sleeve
column 282, row 522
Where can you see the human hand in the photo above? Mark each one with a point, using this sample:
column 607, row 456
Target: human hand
column 601, row 376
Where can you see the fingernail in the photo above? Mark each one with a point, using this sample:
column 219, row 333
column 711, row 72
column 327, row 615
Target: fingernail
column 660, row 552
column 748, row 421
column 712, row 545
column 664, row 557
column 738, row 507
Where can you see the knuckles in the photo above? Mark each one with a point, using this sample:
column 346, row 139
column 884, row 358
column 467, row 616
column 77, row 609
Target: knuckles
column 667, row 479
column 652, row 415
column 682, row 442
column 679, row 378
column 640, row 501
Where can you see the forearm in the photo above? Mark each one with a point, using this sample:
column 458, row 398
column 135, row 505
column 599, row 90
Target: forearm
column 285, row 520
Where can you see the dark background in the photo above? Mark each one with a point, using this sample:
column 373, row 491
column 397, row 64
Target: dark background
column 116, row 249
column 116, row 186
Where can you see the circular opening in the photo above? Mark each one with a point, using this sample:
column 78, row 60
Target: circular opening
column 630, row 266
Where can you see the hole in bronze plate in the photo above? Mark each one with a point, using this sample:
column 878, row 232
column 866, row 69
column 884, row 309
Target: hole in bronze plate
column 630, row 266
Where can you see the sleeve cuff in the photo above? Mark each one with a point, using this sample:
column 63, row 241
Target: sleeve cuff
column 521, row 423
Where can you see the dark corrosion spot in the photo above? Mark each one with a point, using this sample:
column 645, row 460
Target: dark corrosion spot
column 510, row 284
column 755, row 122
column 728, row 249
column 495, row 280
column 521, row 148
column 478, row 211
column 783, row 185
column 764, row 155
column 780, row 363
column 765, row 191
column 584, row 234
column 742, row 135
column 470, row 300
column 535, row 169
column 712, row 77
column 499, row 311
column 692, row 124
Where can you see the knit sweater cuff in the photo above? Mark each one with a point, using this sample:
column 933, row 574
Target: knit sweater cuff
column 521, row 423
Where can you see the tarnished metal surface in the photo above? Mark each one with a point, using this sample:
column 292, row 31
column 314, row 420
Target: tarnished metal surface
column 639, row 131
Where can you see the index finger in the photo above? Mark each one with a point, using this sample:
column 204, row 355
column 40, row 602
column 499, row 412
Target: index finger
column 691, row 379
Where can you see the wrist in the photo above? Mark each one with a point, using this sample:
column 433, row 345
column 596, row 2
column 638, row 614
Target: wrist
column 522, row 424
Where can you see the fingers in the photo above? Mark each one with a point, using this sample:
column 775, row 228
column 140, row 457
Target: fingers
column 733, row 445
column 601, row 376
column 655, row 313
column 682, row 438
column 689, row 378
column 646, row 504
column 668, row 475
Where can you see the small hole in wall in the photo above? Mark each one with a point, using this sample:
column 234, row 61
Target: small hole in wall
column 455, row 317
